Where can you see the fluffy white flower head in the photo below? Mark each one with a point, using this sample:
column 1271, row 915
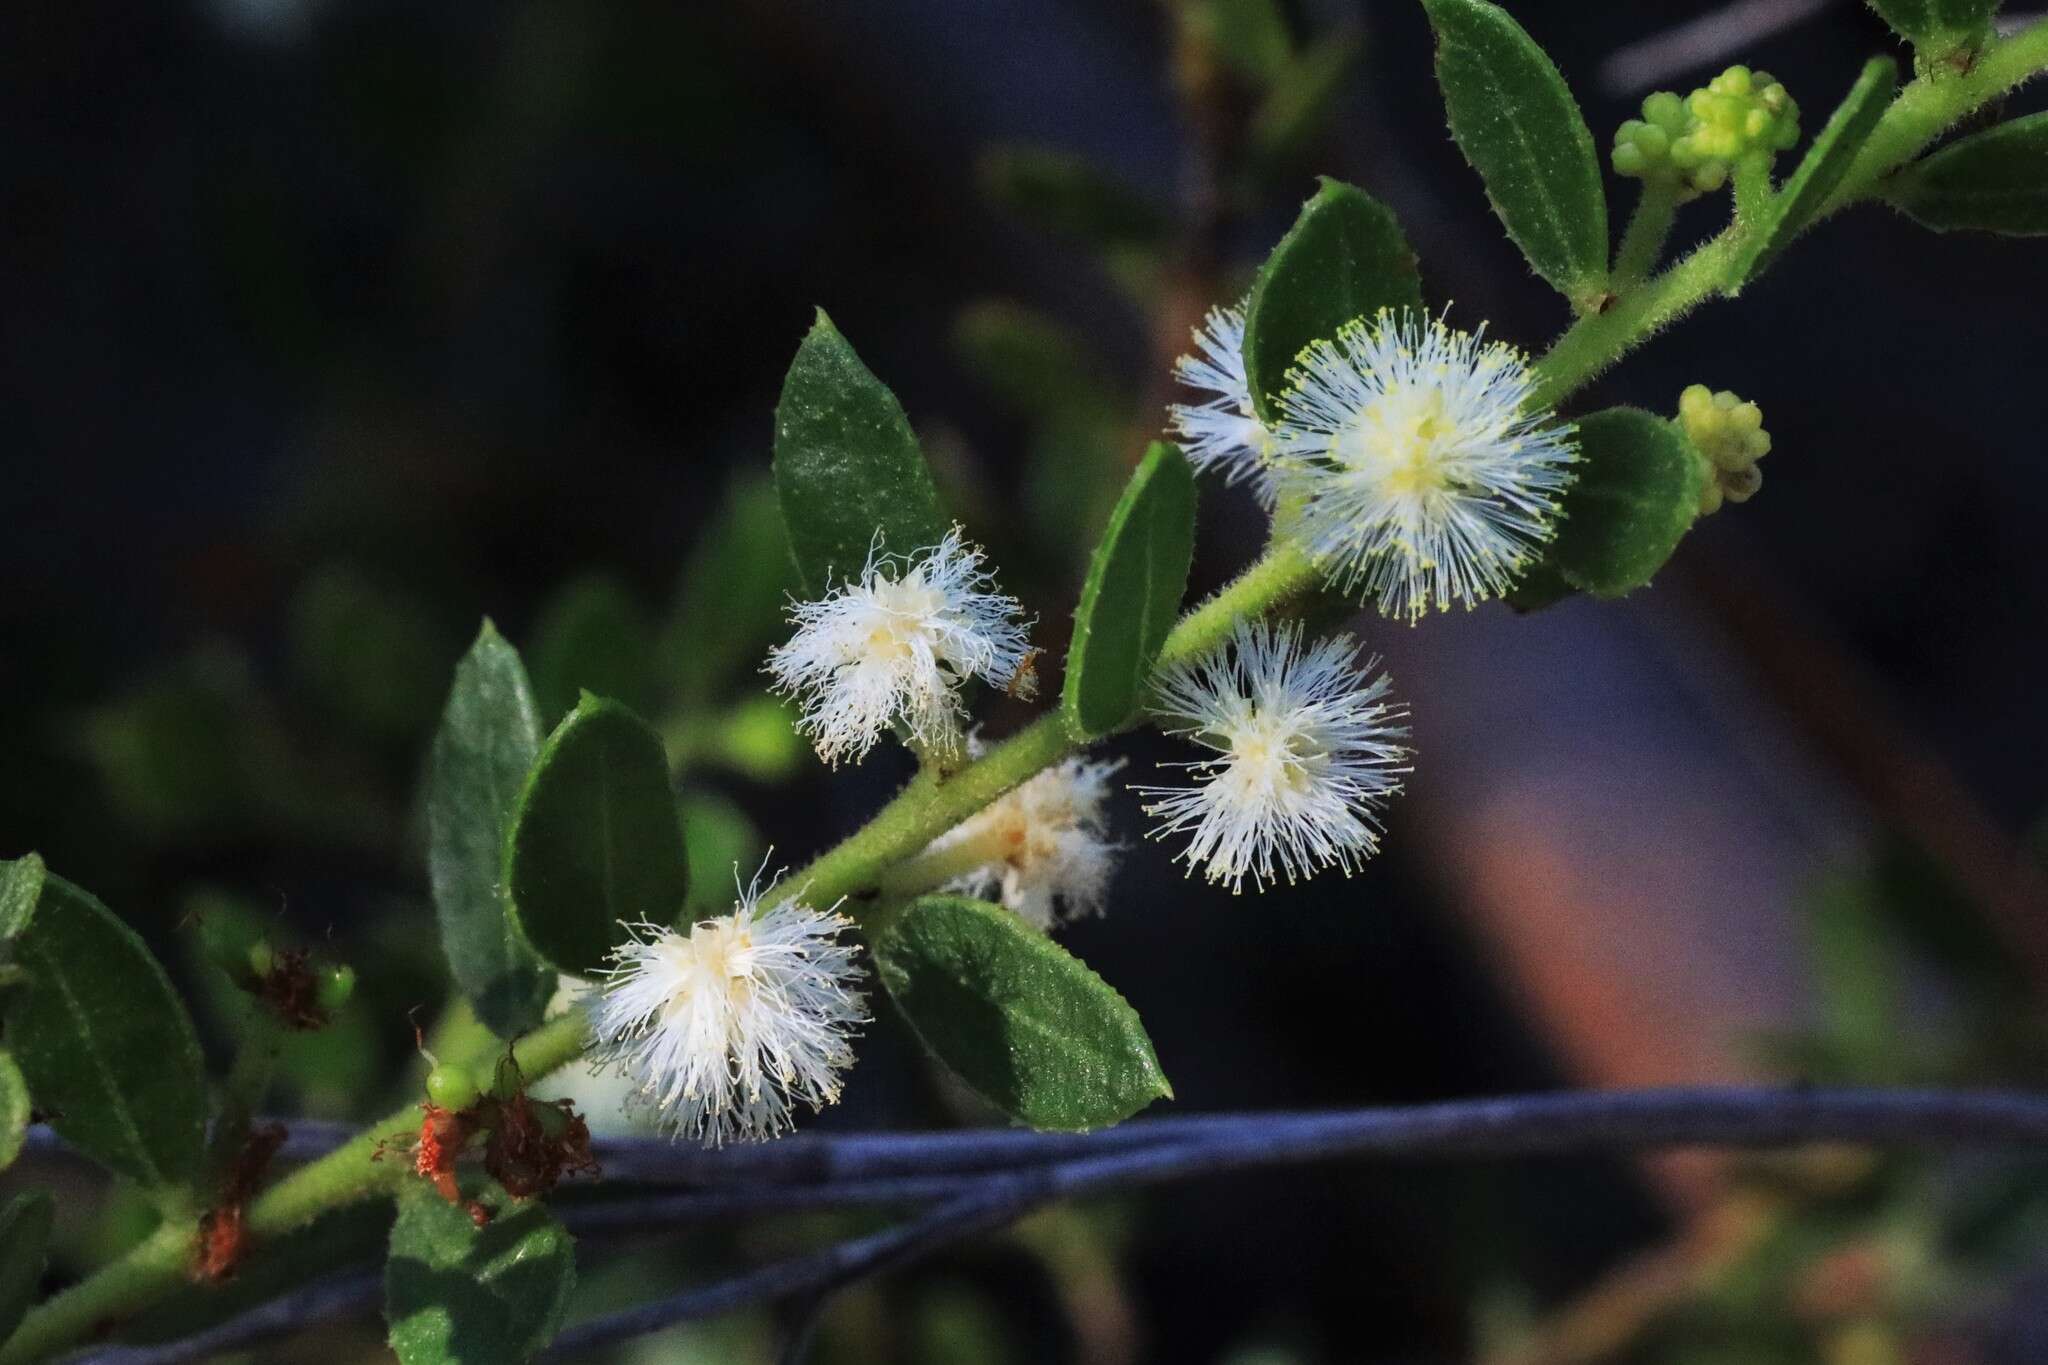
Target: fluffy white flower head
column 725, row 1029
column 1222, row 432
column 1304, row 749
column 895, row 645
column 1042, row 850
column 1419, row 475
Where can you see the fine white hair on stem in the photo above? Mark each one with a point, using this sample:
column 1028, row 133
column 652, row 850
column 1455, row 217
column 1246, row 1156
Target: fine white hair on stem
column 1305, row 747
column 894, row 646
column 1420, row 476
column 726, row 1028
column 1042, row 850
column 1223, row 432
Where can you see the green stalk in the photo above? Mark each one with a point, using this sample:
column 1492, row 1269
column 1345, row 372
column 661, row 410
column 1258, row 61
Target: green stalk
column 1642, row 242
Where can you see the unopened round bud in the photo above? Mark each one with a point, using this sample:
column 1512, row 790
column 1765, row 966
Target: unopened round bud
column 452, row 1087
column 1729, row 435
column 334, row 985
column 262, row 958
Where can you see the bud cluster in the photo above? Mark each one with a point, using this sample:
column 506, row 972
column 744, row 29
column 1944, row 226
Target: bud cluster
column 1687, row 146
column 1730, row 438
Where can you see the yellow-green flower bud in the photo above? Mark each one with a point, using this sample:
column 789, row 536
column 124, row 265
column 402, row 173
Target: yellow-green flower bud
column 1729, row 435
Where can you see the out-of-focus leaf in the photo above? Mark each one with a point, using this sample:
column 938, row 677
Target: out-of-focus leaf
column 459, row 1294
column 104, row 1041
column 723, row 845
column 596, row 844
column 24, row 1252
column 847, row 465
column 1856, row 976
column 1792, row 209
column 1026, row 1025
column 1344, row 258
column 1035, row 366
column 1519, row 126
column 1993, row 181
column 372, row 655
column 1066, row 194
column 1132, row 594
column 21, row 884
column 1636, row 494
column 591, row 636
column 171, row 752
column 1248, row 36
column 488, row 740
column 1297, row 109
column 729, row 598
column 14, row 1112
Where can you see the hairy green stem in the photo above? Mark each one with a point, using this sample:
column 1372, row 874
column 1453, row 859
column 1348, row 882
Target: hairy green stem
column 1922, row 111
column 1642, row 242
column 931, row 805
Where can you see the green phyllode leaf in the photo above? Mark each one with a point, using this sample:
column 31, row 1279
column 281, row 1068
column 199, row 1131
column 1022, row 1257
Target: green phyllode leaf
column 1993, row 181
column 847, row 464
column 1132, row 595
column 1519, row 126
column 21, row 885
column 591, row 636
column 1344, row 258
column 24, row 1251
column 14, row 1111
column 458, row 1294
column 1637, row 493
column 1793, row 208
column 489, row 736
column 1023, row 1022
column 596, row 844
column 1941, row 27
column 104, row 1042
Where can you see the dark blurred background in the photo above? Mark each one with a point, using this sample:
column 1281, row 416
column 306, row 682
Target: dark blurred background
column 331, row 327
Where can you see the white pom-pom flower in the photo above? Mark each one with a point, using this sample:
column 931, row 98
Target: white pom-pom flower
column 895, row 645
column 1223, row 432
column 725, row 1029
column 1305, row 748
column 1419, row 475
column 1042, row 850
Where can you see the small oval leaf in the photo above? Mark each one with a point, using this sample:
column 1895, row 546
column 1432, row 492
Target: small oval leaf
column 1023, row 1022
column 106, row 1045
column 459, row 1294
column 1792, row 209
column 847, row 464
column 489, row 735
column 1637, row 493
column 1135, row 582
column 1344, row 258
column 596, row 843
column 21, row 884
column 14, row 1110
column 1519, row 126
column 24, row 1253
column 1993, row 181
